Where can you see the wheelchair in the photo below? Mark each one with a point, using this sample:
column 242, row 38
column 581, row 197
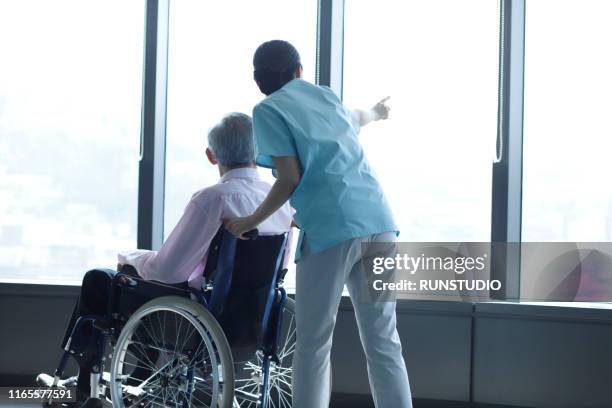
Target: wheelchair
column 228, row 345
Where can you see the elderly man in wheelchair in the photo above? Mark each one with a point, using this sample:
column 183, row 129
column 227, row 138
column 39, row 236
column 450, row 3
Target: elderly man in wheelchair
column 203, row 322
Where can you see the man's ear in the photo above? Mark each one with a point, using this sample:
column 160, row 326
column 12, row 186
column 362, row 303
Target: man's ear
column 211, row 157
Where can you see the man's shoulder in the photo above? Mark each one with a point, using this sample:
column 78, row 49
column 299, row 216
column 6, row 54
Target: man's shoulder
column 232, row 187
column 206, row 195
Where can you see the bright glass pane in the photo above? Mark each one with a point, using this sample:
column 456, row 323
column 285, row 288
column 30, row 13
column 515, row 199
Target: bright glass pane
column 567, row 188
column 567, row 192
column 438, row 60
column 211, row 74
column 70, row 93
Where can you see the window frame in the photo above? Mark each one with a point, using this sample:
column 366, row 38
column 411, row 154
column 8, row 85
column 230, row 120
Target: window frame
column 507, row 172
column 507, row 180
column 152, row 161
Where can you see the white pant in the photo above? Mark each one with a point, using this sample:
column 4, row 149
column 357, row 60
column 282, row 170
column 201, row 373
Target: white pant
column 320, row 281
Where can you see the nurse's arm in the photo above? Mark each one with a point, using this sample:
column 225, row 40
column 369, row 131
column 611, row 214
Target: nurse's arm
column 288, row 175
column 377, row 112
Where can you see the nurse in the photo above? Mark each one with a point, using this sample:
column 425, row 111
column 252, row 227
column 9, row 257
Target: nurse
column 304, row 132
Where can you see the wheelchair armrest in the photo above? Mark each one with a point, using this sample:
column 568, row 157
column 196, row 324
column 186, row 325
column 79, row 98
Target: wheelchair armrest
column 136, row 280
column 127, row 297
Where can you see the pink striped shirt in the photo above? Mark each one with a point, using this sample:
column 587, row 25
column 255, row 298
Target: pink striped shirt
column 183, row 255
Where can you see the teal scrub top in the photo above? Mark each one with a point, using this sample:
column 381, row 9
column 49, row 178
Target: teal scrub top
column 338, row 197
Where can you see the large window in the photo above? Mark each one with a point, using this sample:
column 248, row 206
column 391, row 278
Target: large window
column 70, row 93
column 210, row 74
column 70, row 113
column 567, row 191
column 438, row 60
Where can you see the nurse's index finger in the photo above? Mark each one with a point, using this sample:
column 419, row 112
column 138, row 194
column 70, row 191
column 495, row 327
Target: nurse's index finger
column 385, row 99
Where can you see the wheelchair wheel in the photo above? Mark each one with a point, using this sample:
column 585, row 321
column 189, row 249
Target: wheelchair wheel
column 170, row 353
column 250, row 375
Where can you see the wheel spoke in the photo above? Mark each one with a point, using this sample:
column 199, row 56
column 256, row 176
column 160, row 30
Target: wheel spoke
column 175, row 357
column 249, row 373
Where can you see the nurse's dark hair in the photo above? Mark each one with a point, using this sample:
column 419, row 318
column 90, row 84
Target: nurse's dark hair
column 274, row 64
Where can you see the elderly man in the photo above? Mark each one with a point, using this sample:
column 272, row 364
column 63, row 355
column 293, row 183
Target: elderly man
column 182, row 257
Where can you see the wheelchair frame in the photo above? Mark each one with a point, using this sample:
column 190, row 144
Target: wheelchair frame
column 109, row 326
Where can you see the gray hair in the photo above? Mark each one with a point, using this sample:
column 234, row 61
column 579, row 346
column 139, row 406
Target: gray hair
column 231, row 140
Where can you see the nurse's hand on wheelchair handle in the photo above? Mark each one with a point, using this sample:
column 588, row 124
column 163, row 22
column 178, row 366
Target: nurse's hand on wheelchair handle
column 241, row 227
column 382, row 109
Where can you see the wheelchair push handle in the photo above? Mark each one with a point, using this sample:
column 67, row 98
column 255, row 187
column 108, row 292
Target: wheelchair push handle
column 252, row 234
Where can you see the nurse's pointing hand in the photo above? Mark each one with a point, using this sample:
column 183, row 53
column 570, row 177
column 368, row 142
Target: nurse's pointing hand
column 382, row 109
column 238, row 226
